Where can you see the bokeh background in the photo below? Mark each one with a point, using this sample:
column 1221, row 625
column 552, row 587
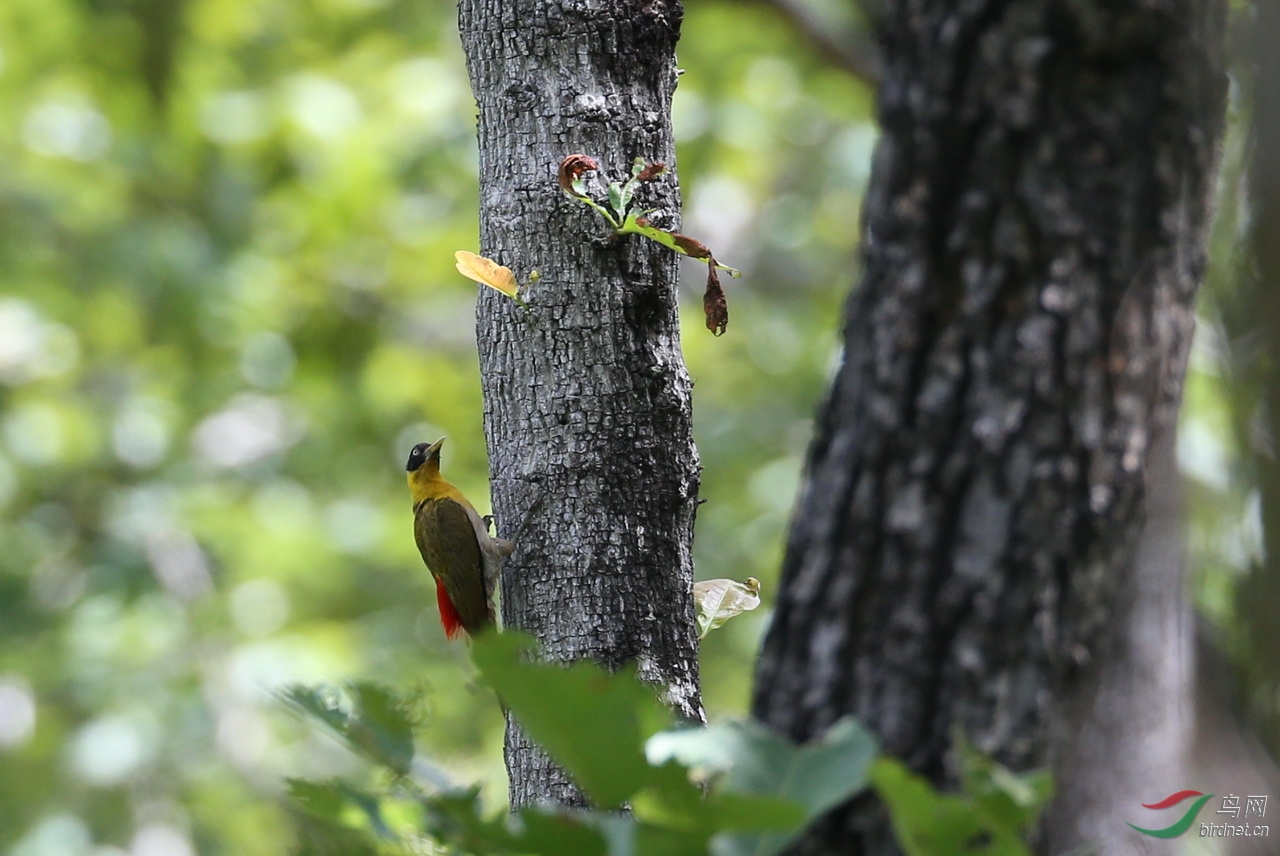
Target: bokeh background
column 228, row 308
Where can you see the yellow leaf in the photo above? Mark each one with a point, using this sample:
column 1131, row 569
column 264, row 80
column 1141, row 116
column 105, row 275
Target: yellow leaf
column 487, row 272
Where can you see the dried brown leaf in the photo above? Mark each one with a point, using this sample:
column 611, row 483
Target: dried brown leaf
column 714, row 304
column 692, row 247
column 651, row 172
column 571, row 169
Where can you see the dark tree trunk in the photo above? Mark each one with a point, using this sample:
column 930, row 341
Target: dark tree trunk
column 587, row 399
column 1035, row 237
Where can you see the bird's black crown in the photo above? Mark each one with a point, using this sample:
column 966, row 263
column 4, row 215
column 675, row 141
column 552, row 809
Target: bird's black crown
column 417, row 456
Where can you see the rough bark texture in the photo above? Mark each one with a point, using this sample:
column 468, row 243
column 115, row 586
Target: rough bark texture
column 587, row 399
column 1035, row 236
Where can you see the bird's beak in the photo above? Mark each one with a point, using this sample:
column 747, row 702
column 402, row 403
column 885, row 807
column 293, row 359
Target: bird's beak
column 433, row 451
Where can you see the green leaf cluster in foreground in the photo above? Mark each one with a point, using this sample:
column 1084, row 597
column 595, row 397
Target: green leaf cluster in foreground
column 731, row 789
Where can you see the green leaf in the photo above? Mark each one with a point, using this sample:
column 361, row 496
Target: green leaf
column 326, row 704
column 927, row 823
column 559, row 833
column 1006, row 802
column 316, row 837
column 671, row 801
column 340, row 804
column 733, row 812
column 383, row 726
column 325, row 800
column 720, row 600
column 616, row 200
column 652, row 840
column 628, row 189
column 752, row 759
column 627, row 836
column 456, row 818
column 624, row 198
column 619, row 831
column 374, row 721
column 591, row 722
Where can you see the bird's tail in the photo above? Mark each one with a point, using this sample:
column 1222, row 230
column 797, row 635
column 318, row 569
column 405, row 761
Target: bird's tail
column 449, row 616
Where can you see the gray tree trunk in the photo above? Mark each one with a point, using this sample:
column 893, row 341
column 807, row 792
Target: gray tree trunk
column 587, row 399
column 1035, row 237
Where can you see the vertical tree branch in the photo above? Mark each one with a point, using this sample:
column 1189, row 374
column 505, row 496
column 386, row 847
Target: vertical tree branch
column 587, row 399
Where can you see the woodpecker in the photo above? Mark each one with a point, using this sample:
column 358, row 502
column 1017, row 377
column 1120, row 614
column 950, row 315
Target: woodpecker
column 455, row 543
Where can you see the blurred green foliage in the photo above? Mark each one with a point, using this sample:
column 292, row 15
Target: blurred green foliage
column 735, row 788
column 228, row 307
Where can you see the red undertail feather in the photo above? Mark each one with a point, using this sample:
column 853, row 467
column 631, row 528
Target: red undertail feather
column 449, row 616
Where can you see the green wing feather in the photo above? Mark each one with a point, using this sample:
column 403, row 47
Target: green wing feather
column 448, row 543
